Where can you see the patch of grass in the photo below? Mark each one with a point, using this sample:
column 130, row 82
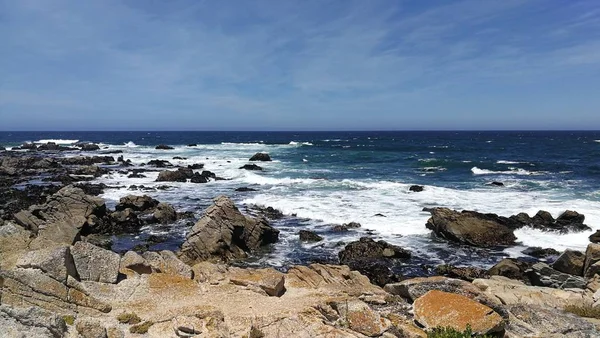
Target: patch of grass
column 128, row 318
column 70, row 320
column 448, row 332
column 585, row 310
column 256, row 332
column 141, row 328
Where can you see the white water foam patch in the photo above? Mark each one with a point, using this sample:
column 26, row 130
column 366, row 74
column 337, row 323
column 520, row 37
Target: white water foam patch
column 57, row 141
column 294, row 143
column 507, row 162
column 598, row 141
column 511, row 171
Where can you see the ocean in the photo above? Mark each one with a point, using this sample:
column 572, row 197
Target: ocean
column 320, row 179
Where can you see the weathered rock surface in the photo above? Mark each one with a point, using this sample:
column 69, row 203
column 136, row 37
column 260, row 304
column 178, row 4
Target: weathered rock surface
column 91, row 329
column 595, row 237
column 571, row 262
column 539, row 252
column 438, row 308
column 135, row 262
column 260, row 157
column 167, row 262
column 136, row 203
column 511, row 268
column 469, row 228
column 14, row 241
column 55, row 262
column 95, row 264
column 269, row 280
column 309, row 236
column 179, row 175
column 251, row 167
column 541, row 274
column 468, row 273
column 360, row 317
column 225, row 233
column 30, row 322
column 164, row 213
column 592, row 256
column 539, row 321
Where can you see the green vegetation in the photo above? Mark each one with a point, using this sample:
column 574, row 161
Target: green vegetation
column 69, row 319
column 141, row 328
column 256, row 333
column 585, row 310
column 128, row 318
column 448, row 332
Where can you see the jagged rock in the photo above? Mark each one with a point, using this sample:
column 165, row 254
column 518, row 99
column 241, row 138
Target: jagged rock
column 539, row 321
column 260, row 157
column 29, row 146
column 30, row 322
column 465, row 273
column 309, row 236
column 366, row 247
column 510, row 268
column 95, row 264
column 541, row 274
column 570, row 262
column 592, row 256
column 416, row 188
column 163, row 147
column 180, row 175
column 92, row 170
column 225, row 233
column 269, row 280
column 55, row 262
column 164, row 213
column 62, row 218
column 437, row 308
column 48, row 146
column 568, row 221
column 90, row 329
column 136, row 203
column 192, row 145
column 167, row 262
column 469, row 228
column 197, row 178
column 352, row 225
column 133, row 261
column 251, row 167
column 14, row 241
column 360, row 317
column 539, row 252
column 123, row 221
column 595, row 237
column 159, row 163
column 339, row 228
column 269, row 212
column 196, row 166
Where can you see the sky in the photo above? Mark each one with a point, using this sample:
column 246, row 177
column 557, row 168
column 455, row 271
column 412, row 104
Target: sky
column 299, row 65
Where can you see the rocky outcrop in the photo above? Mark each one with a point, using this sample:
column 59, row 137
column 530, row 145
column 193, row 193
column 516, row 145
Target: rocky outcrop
column 136, row 203
column 95, row 264
column 86, row 160
column 225, row 233
column 595, row 237
column 416, row 188
column 539, row 252
column 443, row 309
column 251, row 167
column 571, row 262
column 260, row 157
column 167, row 262
column 179, row 175
column 470, row 228
column 54, row 262
column 468, row 273
column 62, row 218
column 540, row 321
column 511, row 268
column 31, row 321
column 163, row 147
column 268, row 281
column 591, row 264
column 541, row 274
column 309, row 236
column 159, row 163
column 359, row 317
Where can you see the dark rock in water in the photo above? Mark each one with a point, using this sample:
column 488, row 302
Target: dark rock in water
column 197, row 178
column 568, row 221
column 269, row 212
column 180, row 175
column 92, row 170
column 352, row 225
column 465, row 273
column 380, row 215
column 2, row 148
column 541, row 274
column 28, row 146
column 154, row 239
column 261, row 157
column 192, row 145
column 179, row 158
column 377, row 270
column 48, row 146
column 366, row 247
column 570, row 262
column 339, row 228
column 86, row 160
column 94, row 189
column 163, row 147
column 542, row 218
column 136, row 175
column 208, row 174
column 497, row 184
column 416, row 188
column 122, row 221
column 160, row 163
column 136, row 203
column 99, row 240
column 569, row 217
column 520, row 220
column 540, row 252
column 196, row 166
column 510, row 268
column 164, row 213
column 225, row 233
column 244, row 189
column 251, row 167
column 112, row 152
column 595, row 237
column 204, row 177
column 470, row 228
column 309, row 236
column 88, row 146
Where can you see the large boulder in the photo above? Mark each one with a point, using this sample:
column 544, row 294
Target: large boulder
column 164, row 213
column 528, row 320
column 179, row 175
column 571, row 262
column 541, row 274
column 268, row 281
column 360, row 317
column 63, row 216
column 260, row 157
column 136, row 203
column 55, row 262
column 95, row 264
column 595, row 237
column 309, row 236
column 437, row 308
column 470, row 228
column 510, row 268
column 568, row 221
column 167, row 262
column 225, row 233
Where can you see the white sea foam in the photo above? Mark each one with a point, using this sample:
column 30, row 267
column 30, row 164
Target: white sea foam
column 57, row 141
column 507, row 162
column 130, row 144
column 511, row 171
column 597, row 141
column 294, row 143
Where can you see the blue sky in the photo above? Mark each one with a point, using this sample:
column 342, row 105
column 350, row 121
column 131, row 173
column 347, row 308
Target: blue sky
column 299, row 65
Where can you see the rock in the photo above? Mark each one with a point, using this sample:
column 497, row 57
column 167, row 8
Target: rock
column 90, row 329
column 196, row 166
column 541, row 274
column 510, row 268
column 62, row 218
column 91, row 170
column 48, row 146
column 569, row 217
column 14, row 242
column 513, row 292
column 416, row 188
column 164, row 213
column 251, row 167
column 159, row 163
column 245, row 189
column 269, row 280
column 179, row 158
column 568, row 221
column 537, row 321
column 180, row 175
column 192, row 145
column 167, row 262
column 269, row 212
column 470, row 228
column 360, row 317
column 95, row 264
column 366, row 247
column 30, row 322
column 197, row 178
column 592, row 256
column 163, row 147
column 133, row 261
column 352, row 225
column 570, row 262
column 86, row 160
column 88, row 146
column 260, row 157
column 99, row 240
column 136, row 203
column 134, row 175
column 225, row 233
column 595, row 237
column 309, row 236
column 55, row 262
column 339, row 228
column 539, row 252
column 124, row 221
column 497, row 184
column 465, row 273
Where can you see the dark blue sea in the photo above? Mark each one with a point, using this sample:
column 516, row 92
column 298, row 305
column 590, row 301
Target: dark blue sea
column 319, row 179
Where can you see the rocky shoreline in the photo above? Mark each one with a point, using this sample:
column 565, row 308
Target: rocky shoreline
column 60, row 278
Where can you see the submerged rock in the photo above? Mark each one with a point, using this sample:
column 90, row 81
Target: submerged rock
column 260, row 157
column 163, row 147
column 309, row 236
column 251, row 167
column 416, row 188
